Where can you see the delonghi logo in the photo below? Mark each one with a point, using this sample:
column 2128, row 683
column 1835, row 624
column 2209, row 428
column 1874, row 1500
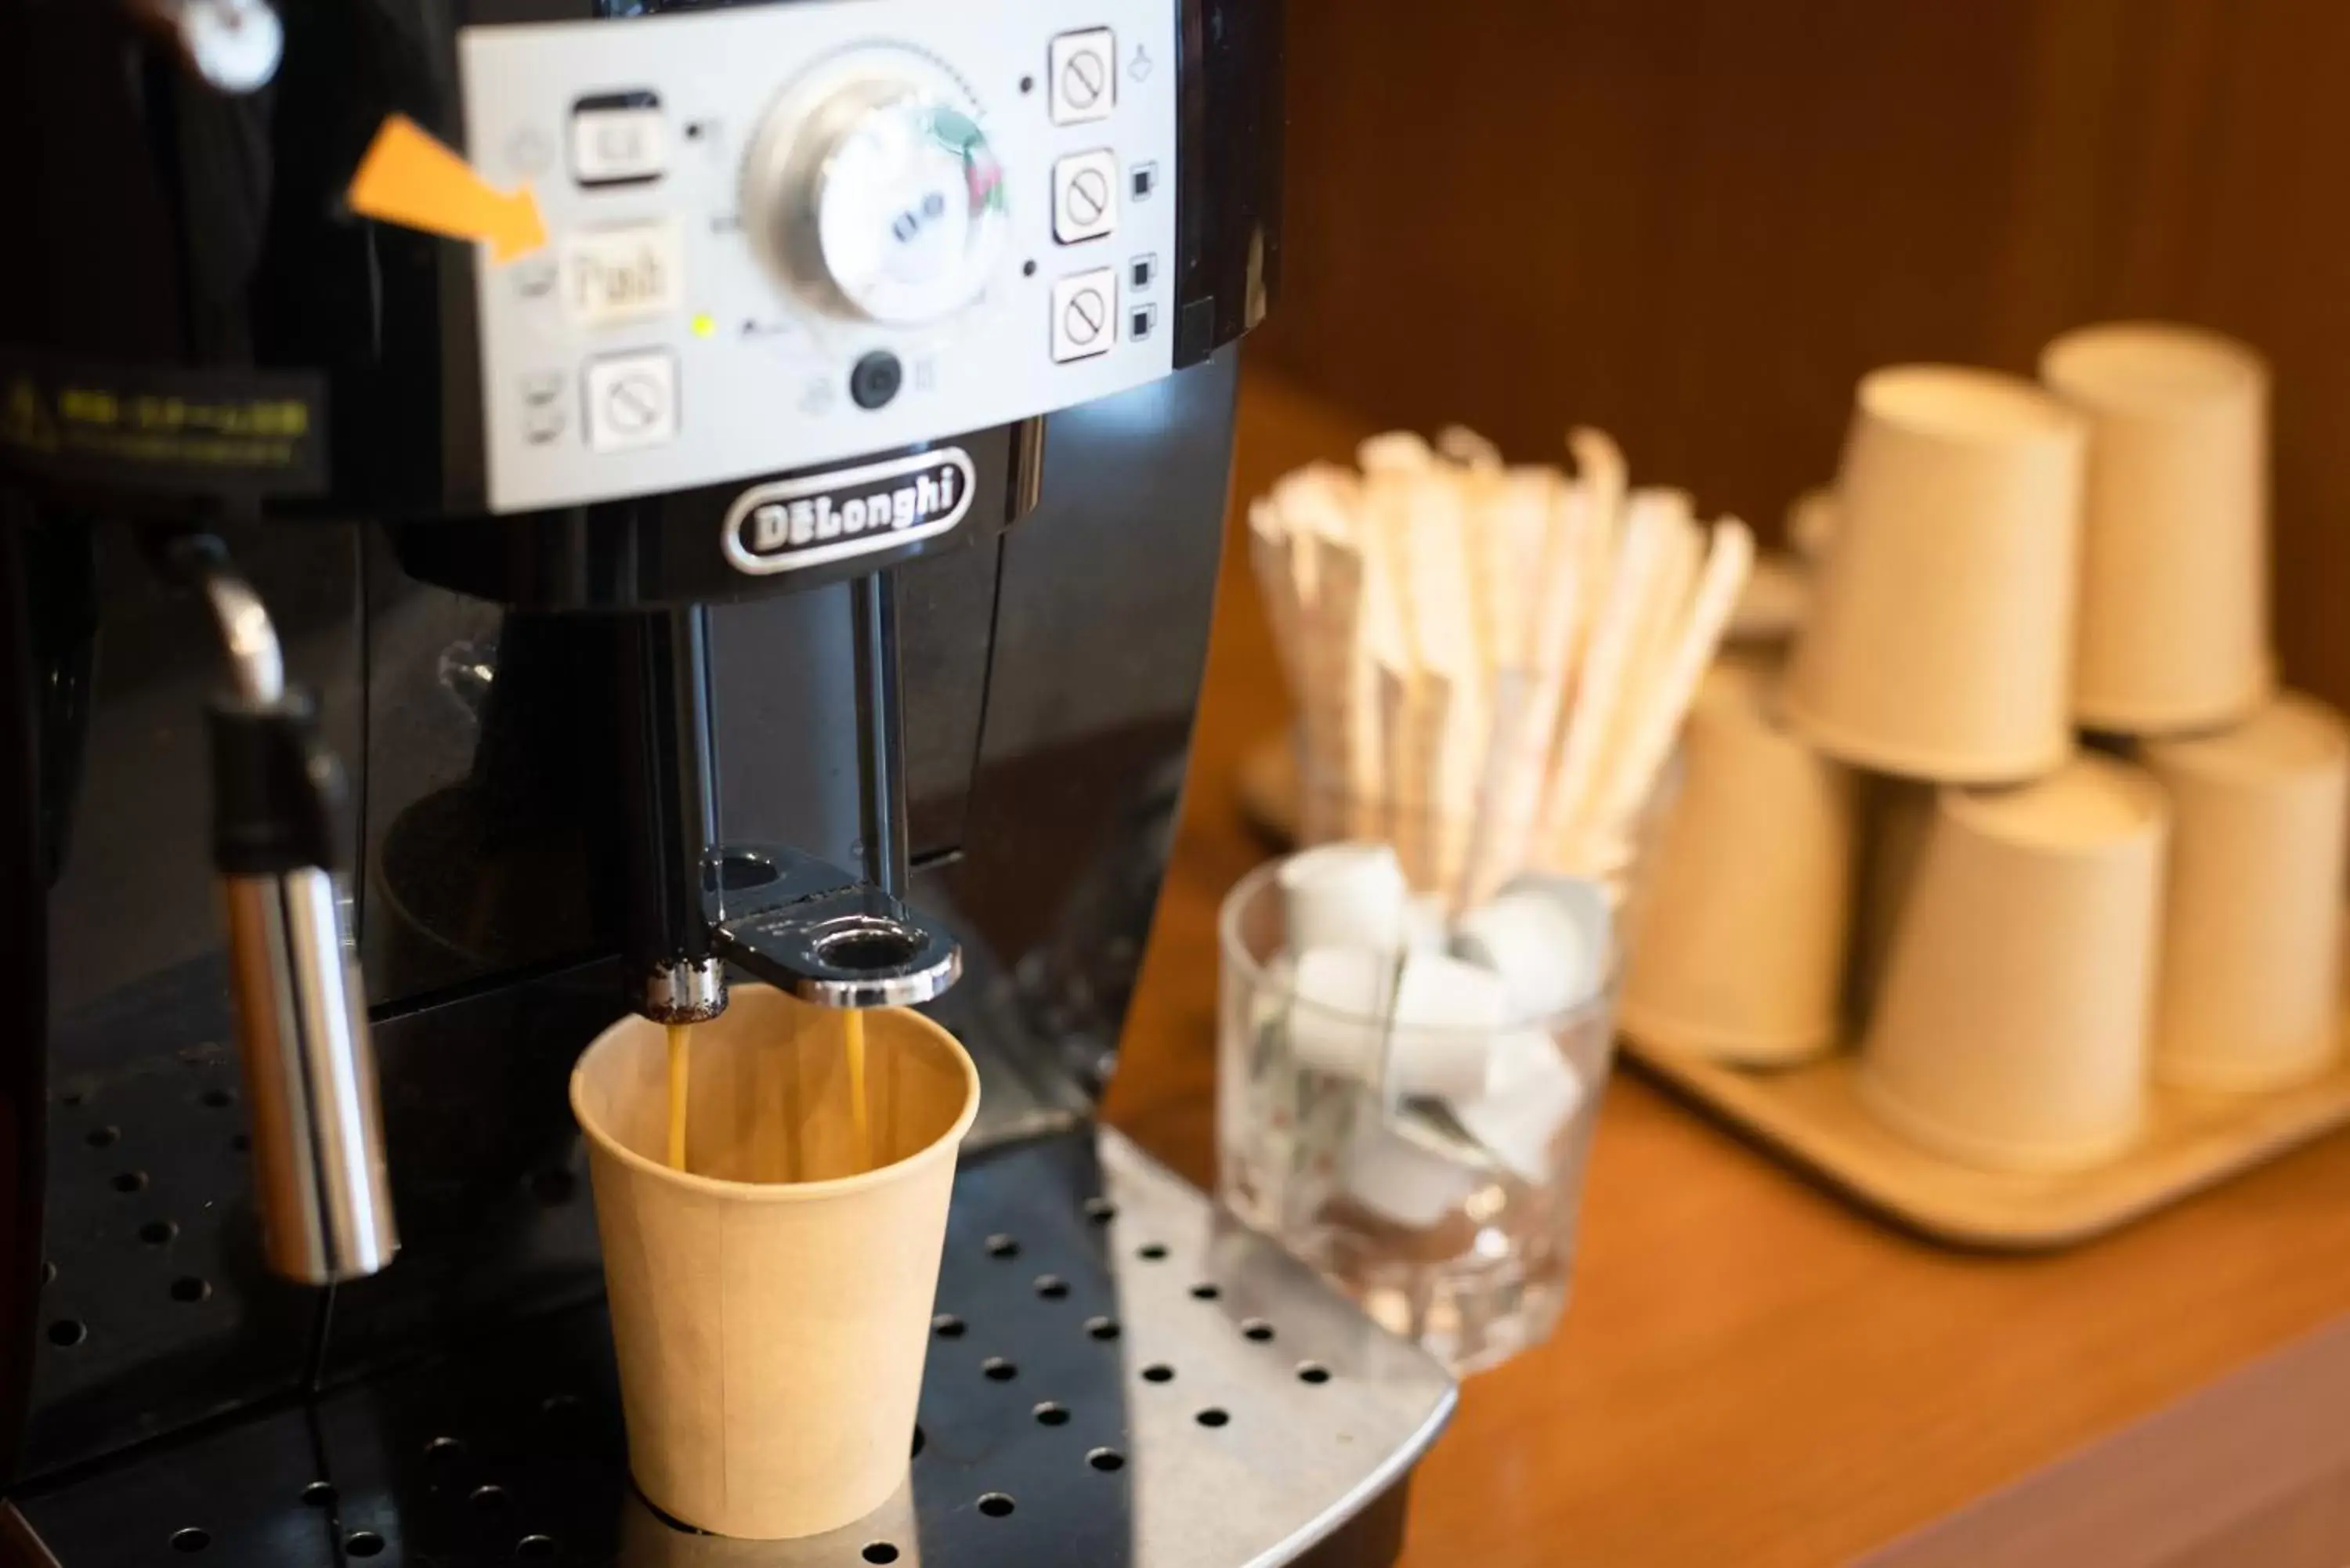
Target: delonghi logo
column 794, row 523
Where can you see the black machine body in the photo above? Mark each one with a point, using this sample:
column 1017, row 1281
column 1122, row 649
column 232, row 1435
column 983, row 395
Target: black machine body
column 831, row 461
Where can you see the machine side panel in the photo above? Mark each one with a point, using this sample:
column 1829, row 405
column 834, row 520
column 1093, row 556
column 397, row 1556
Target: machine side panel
column 1102, row 630
column 1229, row 216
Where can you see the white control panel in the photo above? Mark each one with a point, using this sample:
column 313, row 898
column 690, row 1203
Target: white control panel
column 788, row 234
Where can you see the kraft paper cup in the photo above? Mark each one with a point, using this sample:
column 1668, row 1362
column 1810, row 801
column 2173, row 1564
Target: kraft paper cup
column 1897, row 816
column 648, row 1541
column 1771, row 607
column 2174, row 619
column 2012, row 1028
column 1741, row 949
column 1939, row 641
column 2250, row 992
column 771, row 1310
column 1812, row 525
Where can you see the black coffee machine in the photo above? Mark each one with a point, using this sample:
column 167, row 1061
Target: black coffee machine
column 511, row 510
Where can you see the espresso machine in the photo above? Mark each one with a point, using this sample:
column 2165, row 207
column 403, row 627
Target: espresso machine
column 516, row 510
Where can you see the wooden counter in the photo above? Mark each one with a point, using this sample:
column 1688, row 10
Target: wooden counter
column 1749, row 1373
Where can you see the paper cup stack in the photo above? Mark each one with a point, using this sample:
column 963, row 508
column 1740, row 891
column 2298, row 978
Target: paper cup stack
column 2001, row 570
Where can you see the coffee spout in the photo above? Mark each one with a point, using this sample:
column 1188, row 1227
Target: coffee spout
column 815, row 930
column 801, row 924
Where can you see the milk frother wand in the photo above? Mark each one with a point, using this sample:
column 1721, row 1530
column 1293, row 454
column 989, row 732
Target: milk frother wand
column 279, row 804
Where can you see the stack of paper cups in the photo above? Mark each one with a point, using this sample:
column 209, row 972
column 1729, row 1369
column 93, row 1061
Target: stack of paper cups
column 2252, row 923
column 1772, row 607
column 1740, row 952
column 1939, row 641
column 2174, row 554
column 2013, row 1027
column 771, row 1331
column 1897, row 818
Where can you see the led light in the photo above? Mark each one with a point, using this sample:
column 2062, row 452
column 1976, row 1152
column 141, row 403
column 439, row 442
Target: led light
column 705, row 325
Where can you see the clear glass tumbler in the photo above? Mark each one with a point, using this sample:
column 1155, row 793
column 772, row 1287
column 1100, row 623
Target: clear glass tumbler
column 1450, row 1220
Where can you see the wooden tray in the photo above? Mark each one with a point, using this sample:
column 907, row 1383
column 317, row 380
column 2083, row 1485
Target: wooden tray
column 1813, row 1115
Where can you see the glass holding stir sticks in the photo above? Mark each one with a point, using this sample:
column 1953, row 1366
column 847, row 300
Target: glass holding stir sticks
column 1491, row 666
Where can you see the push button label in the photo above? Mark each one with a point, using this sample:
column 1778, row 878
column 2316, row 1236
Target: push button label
column 615, row 275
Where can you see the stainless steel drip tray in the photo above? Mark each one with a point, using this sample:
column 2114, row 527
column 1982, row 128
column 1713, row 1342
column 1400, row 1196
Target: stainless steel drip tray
column 1120, row 1377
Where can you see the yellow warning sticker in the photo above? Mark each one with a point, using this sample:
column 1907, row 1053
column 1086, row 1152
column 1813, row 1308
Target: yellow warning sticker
column 164, row 428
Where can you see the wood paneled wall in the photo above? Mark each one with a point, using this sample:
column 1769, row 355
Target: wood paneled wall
column 1697, row 222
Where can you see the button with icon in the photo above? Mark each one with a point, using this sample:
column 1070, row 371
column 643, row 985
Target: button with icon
column 1085, row 314
column 618, row 139
column 632, row 401
column 874, row 381
column 1084, row 196
column 1083, row 80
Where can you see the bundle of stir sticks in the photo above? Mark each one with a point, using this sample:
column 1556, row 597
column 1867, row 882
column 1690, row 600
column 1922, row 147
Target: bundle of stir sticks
column 1491, row 663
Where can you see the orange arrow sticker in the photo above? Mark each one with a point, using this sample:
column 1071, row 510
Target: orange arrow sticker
column 409, row 178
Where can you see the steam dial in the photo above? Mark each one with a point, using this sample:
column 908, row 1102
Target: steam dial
column 872, row 193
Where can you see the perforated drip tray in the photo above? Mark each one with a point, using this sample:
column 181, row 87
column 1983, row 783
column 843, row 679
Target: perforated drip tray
column 1120, row 1377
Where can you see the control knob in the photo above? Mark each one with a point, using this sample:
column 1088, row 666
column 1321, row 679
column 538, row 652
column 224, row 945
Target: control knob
column 870, row 191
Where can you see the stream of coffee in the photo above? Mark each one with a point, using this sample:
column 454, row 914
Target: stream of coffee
column 852, row 1031
column 681, row 1063
column 852, row 1034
